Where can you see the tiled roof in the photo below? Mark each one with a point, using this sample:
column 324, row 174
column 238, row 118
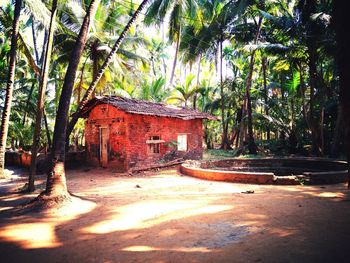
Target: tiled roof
column 146, row 108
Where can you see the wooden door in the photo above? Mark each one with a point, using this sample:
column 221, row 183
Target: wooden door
column 104, row 139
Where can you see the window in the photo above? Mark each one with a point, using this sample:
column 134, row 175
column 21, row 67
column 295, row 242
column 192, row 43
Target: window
column 182, row 142
column 154, row 145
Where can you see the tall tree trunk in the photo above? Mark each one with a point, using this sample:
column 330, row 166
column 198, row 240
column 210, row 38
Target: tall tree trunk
column 108, row 60
column 242, row 126
column 251, row 142
column 308, row 10
column 56, row 187
column 302, row 91
column 35, row 43
column 9, row 87
column 197, row 85
column 175, row 60
column 94, row 55
column 41, row 98
column 39, row 62
column 26, row 110
column 47, row 130
column 341, row 16
column 313, row 78
column 266, row 97
column 224, row 139
column 46, row 35
column 162, row 59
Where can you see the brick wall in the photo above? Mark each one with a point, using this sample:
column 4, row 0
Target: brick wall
column 128, row 134
column 142, row 127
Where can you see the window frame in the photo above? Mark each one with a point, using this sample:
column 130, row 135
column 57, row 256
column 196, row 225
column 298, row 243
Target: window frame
column 151, row 146
column 185, row 148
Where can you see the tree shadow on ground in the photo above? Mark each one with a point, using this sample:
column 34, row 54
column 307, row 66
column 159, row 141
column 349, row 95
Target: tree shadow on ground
column 192, row 221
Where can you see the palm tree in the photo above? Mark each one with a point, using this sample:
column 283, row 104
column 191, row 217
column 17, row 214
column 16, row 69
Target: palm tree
column 9, row 87
column 219, row 21
column 41, row 99
column 155, row 91
column 183, row 93
column 179, row 12
column 251, row 142
column 56, row 188
column 101, row 71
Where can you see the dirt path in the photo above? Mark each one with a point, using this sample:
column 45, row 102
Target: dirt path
column 165, row 217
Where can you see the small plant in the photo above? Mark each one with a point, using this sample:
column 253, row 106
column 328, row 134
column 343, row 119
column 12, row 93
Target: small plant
column 171, row 144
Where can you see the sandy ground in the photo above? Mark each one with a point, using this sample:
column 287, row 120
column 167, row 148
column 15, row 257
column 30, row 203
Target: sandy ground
column 165, row 217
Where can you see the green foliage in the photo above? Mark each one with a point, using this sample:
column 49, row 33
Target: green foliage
column 281, row 100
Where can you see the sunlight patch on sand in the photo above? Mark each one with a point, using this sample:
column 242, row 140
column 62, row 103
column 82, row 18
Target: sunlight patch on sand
column 31, row 235
column 72, row 209
column 149, row 213
column 327, row 194
column 177, row 249
column 42, row 232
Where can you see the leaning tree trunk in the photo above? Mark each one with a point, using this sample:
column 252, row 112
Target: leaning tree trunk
column 108, row 60
column 37, row 58
column 9, row 87
column 343, row 58
column 56, row 187
column 41, row 97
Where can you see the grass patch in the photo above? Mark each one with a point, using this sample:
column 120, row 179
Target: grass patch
column 219, row 154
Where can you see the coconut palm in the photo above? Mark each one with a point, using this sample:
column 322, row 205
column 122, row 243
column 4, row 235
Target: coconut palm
column 154, row 91
column 179, row 12
column 9, row 86
column 56, row 188
column 184, row 93
column 42, row 89
column 107, row 61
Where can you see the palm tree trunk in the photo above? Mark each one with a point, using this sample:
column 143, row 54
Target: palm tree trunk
column 56, row 187
column 343, row 57
column 251, row 143
column 34, row 42
column 175, row 59
column 43, row 49
column 266, row 97
column 108, row 60
column 41, row 98
column 47, row 130
column 26, row 110
column 313, row 77
column 197, row 85
column 224, row 139
column 9, row 87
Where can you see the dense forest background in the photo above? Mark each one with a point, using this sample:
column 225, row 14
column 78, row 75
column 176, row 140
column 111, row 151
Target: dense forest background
column 266, row 69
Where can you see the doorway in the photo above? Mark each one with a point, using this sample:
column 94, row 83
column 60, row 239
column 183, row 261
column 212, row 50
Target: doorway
column 104, row 141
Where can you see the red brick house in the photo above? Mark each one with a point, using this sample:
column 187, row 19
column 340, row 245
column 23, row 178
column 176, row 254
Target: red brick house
column 128, row 134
